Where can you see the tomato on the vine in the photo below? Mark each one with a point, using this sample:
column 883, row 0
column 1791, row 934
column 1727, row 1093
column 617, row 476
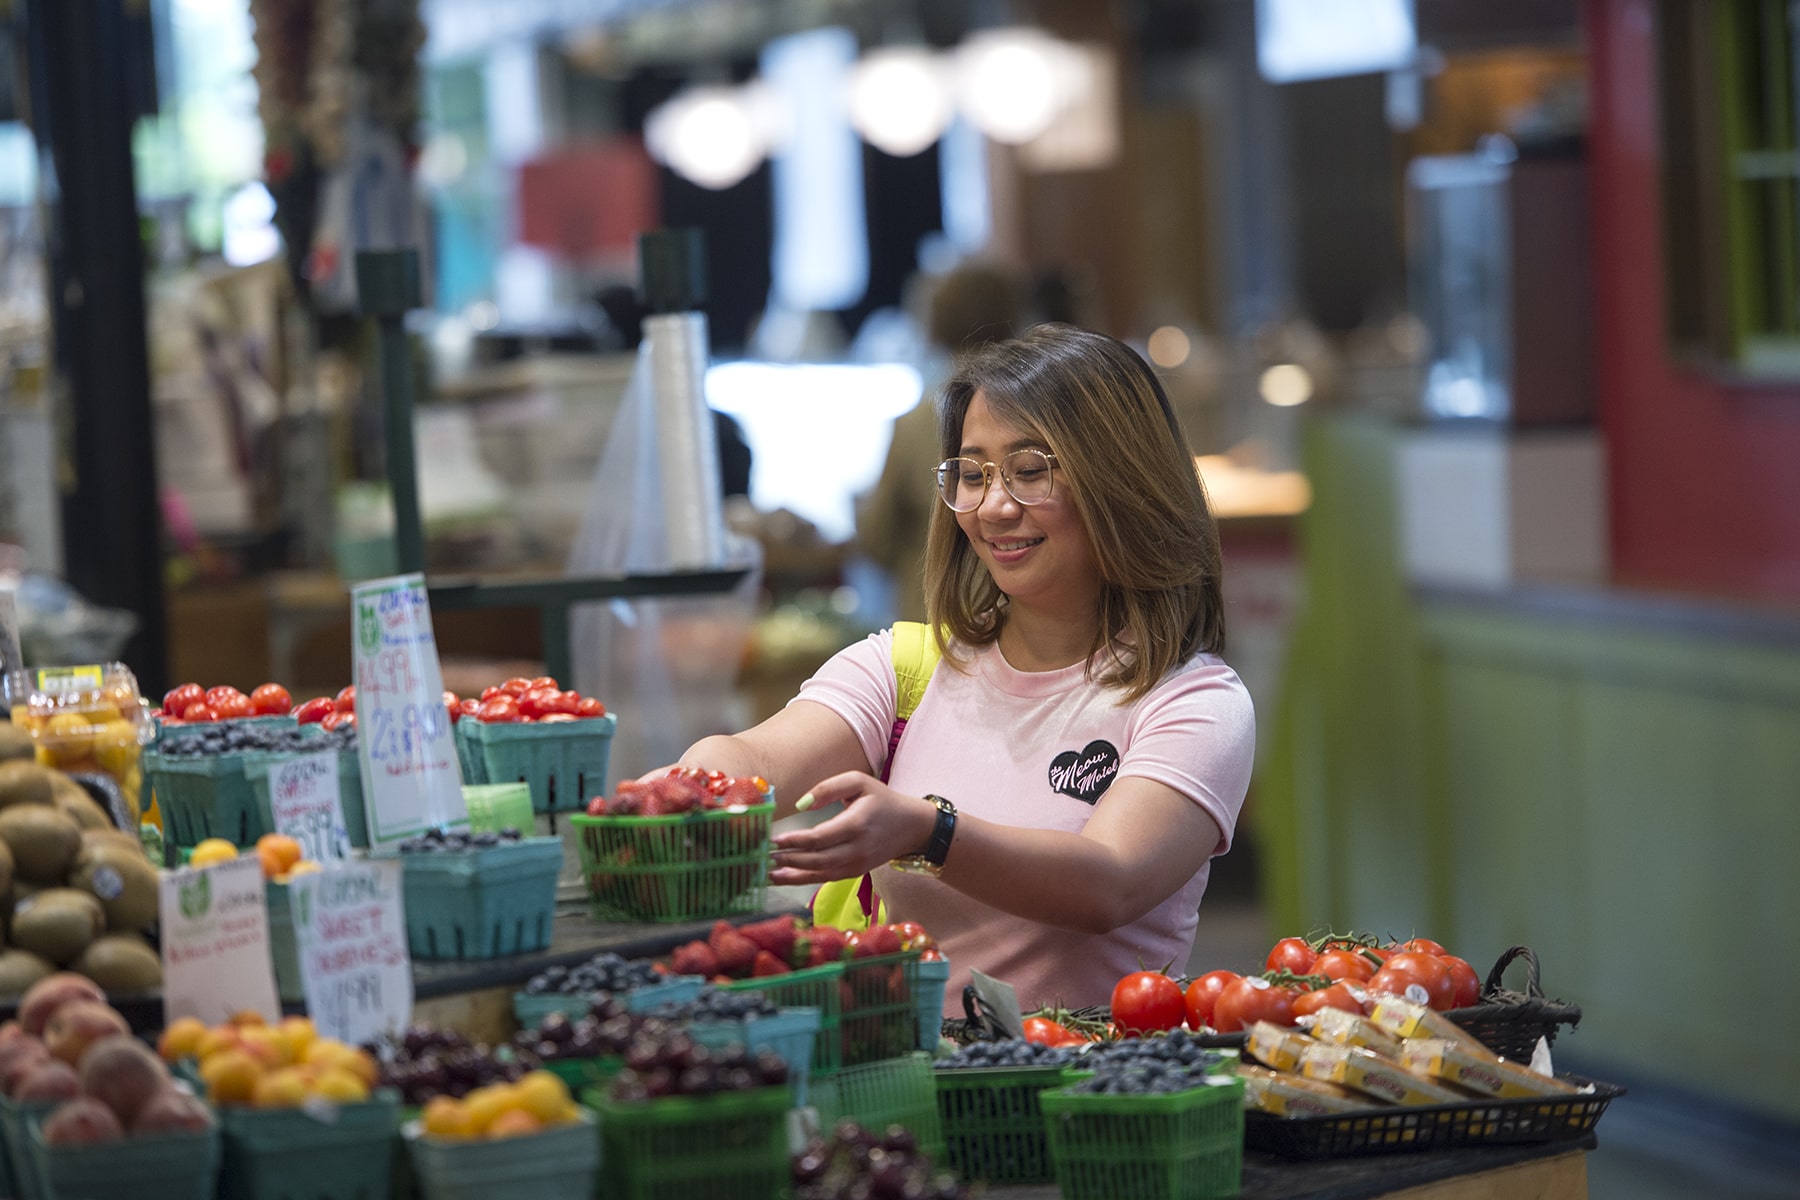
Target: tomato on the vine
column 1335, row 996
column 1421, row 945
column 1146, row 1001
column 1340, row 962
column 1468, row 983
column 1203, row 993
column 1045, row 1032
column 1249, row 1000
column 1291, row 954
column 1427, row 970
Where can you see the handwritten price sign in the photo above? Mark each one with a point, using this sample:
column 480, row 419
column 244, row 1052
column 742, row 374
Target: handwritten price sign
column 304, row 801
column 350, row 928
column 411, row 781
column 215, row 943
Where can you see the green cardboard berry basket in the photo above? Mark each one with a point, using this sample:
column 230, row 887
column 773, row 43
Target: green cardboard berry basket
column 479, row 904
column 789, row 1033
column 291, row 1154
column 557, row 1164
column 529, row 1008
column 16, row 1119
column 1185, row 1145
column 892, row 1091
column 692, row 867
column 164, row 1166
column 725, row 1146
column 350, row 793
column 563, row 761
column 993, row 1123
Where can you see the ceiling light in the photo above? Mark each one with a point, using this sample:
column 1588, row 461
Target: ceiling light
column 708, row 135
column 899, row 99
column 1012, row 83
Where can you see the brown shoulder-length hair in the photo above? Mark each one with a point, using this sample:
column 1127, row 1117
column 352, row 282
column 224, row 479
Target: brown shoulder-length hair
column 1121, row 455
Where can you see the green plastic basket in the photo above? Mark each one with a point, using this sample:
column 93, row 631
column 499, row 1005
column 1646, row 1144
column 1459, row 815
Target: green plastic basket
column 928, row 989
column 789, row 1033
column 727, row 1146
column 168, row 1166
column 529, row 1008
column 563, row 761
column 818, row 988
column 287, row 1154
column 557, row 1164
column 498, row 806
column 894, row 1091
column 993, row 1124
column 580, row 1073
column 866, row 1007
column 350, row 793
column 693, row 867
column 1179, row 1146
column 16, row 1120
column 475, row 904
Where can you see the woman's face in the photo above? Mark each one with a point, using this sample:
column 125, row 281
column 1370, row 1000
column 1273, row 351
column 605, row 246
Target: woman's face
column 1039, row 555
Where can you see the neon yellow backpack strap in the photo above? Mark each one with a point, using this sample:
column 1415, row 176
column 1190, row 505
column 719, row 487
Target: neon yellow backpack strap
column 846, row 903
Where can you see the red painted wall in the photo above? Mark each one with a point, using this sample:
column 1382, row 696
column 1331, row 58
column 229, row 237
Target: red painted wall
column 1705, row 474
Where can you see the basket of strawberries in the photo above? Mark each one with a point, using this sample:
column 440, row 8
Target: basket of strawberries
column 687, row 846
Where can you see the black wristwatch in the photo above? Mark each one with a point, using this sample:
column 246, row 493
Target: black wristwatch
column 929, row 860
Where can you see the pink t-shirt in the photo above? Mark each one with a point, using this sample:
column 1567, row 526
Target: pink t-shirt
column 1038, row 749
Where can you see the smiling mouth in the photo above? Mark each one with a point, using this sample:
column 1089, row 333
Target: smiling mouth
column 1011, row 547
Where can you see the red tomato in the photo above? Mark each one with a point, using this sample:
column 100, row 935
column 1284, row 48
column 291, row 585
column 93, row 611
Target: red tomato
column 271, row 700
column 590, row 707
column 314, row 710
column 1203, row 993
column 517, row 686
column 200, row 712
column 1146, row 1001
column 232, row 706
column 1335, row 996
column 567, row 702
column 551, row 718
column 346, row 700
column 338, row 720
column 1428, row 971
column 1341, row 963
column 1424, row 946
column 1249, row 1000
column 176, row 700
column 490, row 691
column 548, row 681
column 502, row 710
column 452, row 705
column 1468, row 983
column 537, row 703
column 1044, row 1031
column 215, row 694
column 1290, row 954
column 470, row 707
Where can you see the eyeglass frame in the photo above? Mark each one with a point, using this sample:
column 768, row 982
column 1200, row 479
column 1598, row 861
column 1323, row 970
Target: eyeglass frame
column 988, row 471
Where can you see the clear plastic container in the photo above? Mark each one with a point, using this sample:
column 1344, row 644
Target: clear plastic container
column 85, row 719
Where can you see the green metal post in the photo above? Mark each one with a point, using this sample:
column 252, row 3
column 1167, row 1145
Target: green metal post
column 387, row 288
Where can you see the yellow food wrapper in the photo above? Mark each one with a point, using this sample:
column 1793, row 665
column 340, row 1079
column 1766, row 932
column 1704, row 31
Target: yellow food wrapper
column 1451, row 1063
column 1285, row 1095
column 1341, row 1028
column 1373, row 1075
column 1404, row 1019
column 1276, row 1046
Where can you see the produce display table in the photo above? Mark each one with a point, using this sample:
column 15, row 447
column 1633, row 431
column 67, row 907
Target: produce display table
column 1546, row 1171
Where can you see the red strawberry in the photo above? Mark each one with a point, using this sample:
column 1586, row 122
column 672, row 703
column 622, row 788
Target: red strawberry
column 776, row 935
column 674, row 794
column 695, row 958
column 878, row 939
column 827, row 945
column 768, row 964
column 739, row 793
column 736, row 952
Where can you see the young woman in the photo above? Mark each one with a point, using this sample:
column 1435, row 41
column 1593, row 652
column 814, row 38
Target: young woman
column 1081, row 752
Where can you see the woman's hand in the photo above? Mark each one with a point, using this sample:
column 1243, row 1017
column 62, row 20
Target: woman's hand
column 878, row 824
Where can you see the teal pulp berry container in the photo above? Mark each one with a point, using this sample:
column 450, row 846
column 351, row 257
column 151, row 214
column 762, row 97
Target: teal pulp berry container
column 164, row 1166
column 725, row 1146
column 479, row 904
column 557, row 1164
column 564, row 761
column 290, row 1154
column 893, row 1091
column 284, row 947
column 1185, row 1145
column 929, row 984
column 16, row 1120
column 350, row 790
column 202, row 797
column 692, row 867
column 529, row 1008
column 789, row 1034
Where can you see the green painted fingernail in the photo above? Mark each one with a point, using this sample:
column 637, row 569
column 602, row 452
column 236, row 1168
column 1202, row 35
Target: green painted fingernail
column 803, row 803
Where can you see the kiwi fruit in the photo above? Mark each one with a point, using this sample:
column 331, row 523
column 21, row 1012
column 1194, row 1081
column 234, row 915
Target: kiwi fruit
column 6, row 869
column 123, row 881
column 16, row 742
column 19, row 969
column 73, row 800
column 57, row 924
column 120, row 962
column 22, row 781
column 44, row 842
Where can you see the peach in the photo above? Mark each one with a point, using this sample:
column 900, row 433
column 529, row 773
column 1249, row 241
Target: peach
column 16, row 1061
column 50, row 993
column 83, row 1121
column 172, row 1111
column 122, row 1073
column 79, row 1024
column 50, row 1079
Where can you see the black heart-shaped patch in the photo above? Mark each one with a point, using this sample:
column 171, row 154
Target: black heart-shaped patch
column 1086, row 773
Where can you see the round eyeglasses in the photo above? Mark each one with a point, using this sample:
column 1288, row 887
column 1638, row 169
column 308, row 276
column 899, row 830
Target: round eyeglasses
column 1027, row 476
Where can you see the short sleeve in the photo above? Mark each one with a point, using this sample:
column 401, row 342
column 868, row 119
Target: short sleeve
column 857, row 683
column 1196, row 733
